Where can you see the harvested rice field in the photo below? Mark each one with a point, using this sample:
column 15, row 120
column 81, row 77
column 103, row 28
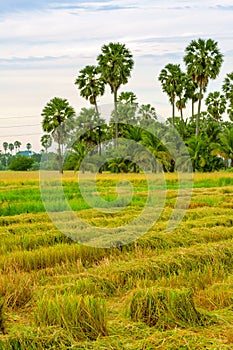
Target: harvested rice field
column 163, row 290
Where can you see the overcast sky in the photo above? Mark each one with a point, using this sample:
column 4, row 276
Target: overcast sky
column 44, row 44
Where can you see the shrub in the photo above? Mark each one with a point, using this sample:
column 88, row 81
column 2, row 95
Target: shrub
column 21, row 163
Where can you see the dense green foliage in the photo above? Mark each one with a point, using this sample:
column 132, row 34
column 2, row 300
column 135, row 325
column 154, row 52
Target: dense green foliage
column 207, row 137
column 21, row 163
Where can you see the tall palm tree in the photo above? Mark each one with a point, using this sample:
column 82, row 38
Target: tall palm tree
column 56, row 112
column 228, row 90
column 170, row 78
column 203, row 61
column 11, row 147
column 90, row 127
column 90, row 84
column 115, row 64
column 216, row 104
column 28, row 146
column 5, row 146
column 46, row 142
column 17, row 145
column 191, row 92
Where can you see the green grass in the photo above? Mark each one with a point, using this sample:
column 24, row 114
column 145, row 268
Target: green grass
column 166, row 290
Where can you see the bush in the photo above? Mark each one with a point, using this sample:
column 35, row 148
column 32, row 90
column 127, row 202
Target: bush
column 21, row 163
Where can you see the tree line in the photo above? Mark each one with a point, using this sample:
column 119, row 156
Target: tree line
column 209, row 139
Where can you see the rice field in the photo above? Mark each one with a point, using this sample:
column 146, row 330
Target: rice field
column 164, row 290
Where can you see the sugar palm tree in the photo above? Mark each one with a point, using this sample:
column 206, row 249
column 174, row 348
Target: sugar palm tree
column 170, row 78
column 17, row 145
column 228, row 90
column 90, row 127
column 191, row 92
column 128, row 97
column 11, row 147
column 5, row 146
column 115, row 64
column 147, row 112
column 216, row 104
column 90, row 84
column 46, row 142
column 203, row 61
column 56, row 112
column 28, row 146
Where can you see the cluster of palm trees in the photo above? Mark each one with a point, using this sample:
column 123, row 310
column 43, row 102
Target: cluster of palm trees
column 8, row 148
column 13, row 146
column 208, row 138
column 203, row 61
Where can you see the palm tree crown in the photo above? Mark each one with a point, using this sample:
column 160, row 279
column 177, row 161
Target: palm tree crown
column 171, row 78
column 90, row 84
column 203, row 61
column 55, row 113
column 115, row 64
column 228, row 90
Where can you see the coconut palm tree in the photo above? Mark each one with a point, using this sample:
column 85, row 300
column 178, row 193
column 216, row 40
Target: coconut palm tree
column 228, row 90
column 90, row 84
column 158, row 149
column 56, row 112
column 170, row 78
column 115, row 64
column 227, row 145
column 216, row 104
column 203, row 61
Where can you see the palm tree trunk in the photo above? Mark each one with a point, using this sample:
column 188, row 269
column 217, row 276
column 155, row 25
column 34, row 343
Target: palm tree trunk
column 115, row 117
column 96, row 108
column 173, row 114
column 182, row 122
column 198, row 111
column 59, row 155
column 193, row 107
column 97, row 112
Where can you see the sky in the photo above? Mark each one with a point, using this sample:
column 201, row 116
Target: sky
column 45, row 43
